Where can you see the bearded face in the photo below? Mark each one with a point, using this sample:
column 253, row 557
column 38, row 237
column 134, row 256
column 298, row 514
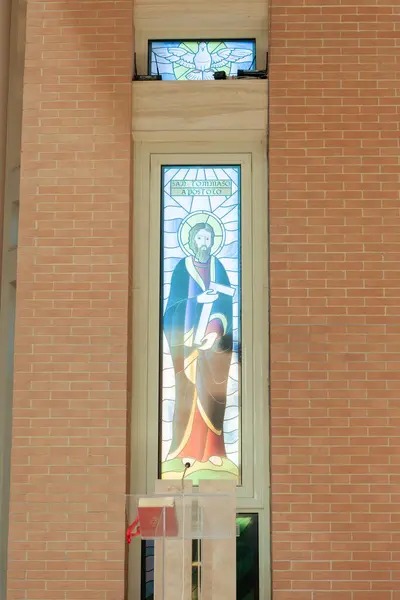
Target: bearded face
column 202, row 242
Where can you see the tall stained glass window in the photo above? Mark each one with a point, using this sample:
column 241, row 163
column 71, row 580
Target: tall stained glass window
column 198, row 60
column 200, row 322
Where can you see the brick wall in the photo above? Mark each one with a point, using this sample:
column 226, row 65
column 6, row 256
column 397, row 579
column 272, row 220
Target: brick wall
column 335, row 286
column 69, row 426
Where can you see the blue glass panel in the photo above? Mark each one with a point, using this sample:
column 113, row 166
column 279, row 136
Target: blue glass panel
column 198, row 60
column 200, row 307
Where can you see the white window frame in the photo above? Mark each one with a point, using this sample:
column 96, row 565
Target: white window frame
column 253, row 495
column 247, row 489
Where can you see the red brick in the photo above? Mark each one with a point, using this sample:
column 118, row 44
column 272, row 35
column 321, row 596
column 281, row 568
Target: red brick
column 70, row 400
column 335, row 295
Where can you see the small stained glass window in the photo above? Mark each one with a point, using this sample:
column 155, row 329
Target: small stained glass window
column 247, row 562
column 199, row 60
column 200, row 322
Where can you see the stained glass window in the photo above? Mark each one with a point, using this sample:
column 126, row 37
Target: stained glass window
column 198, row 60
column 247, row 562
column 201, row 322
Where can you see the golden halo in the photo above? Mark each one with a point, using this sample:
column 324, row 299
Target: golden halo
column 201, row 216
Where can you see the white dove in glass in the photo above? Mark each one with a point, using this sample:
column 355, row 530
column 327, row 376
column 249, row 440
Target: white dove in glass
column 199, row 60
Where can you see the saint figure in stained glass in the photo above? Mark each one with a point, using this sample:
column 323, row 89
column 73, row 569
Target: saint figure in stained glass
column 198, row 327
column 201, row 323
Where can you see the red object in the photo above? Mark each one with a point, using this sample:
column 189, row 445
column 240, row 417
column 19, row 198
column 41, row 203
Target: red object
column 133, row 530
column 151, row 521
column 203, row 443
